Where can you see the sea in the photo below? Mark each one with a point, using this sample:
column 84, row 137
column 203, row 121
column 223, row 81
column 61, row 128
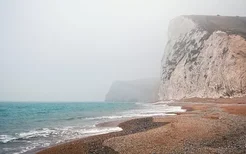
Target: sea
column 26, row 126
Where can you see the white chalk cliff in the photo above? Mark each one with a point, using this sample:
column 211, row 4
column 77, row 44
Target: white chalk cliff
column 205, row 57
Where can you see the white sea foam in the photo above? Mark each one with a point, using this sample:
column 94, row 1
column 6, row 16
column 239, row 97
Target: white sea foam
column 25, row 149
column 96, row 131
column 6, row 138
column 44, row 132
column 61, row 134
column 147, row 110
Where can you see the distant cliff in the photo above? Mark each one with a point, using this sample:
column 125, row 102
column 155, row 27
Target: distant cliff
column 142, row 90
column 205, row 57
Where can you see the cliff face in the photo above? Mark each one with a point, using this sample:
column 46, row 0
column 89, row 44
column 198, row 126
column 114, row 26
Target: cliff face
column 205, row 57
column 143, row 90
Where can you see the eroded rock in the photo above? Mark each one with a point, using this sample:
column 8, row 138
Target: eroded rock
column 205, row 57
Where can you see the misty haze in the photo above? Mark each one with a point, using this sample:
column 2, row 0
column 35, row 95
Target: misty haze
column 114, row 76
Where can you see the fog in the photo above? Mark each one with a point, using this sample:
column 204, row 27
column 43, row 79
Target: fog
column 73, row 50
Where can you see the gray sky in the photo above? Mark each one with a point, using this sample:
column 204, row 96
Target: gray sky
column 73, row 50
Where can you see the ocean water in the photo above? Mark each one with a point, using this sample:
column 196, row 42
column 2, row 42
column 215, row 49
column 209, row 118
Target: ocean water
column 28, row 126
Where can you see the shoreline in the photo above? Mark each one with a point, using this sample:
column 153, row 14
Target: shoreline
column 121, row 123
column 205, row 127
column 117, row 123
column 111, row 125
column 93, row 144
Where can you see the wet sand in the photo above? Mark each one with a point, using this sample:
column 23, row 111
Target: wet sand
column 208, row 126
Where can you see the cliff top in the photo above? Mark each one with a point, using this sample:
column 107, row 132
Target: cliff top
column 229, row 24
